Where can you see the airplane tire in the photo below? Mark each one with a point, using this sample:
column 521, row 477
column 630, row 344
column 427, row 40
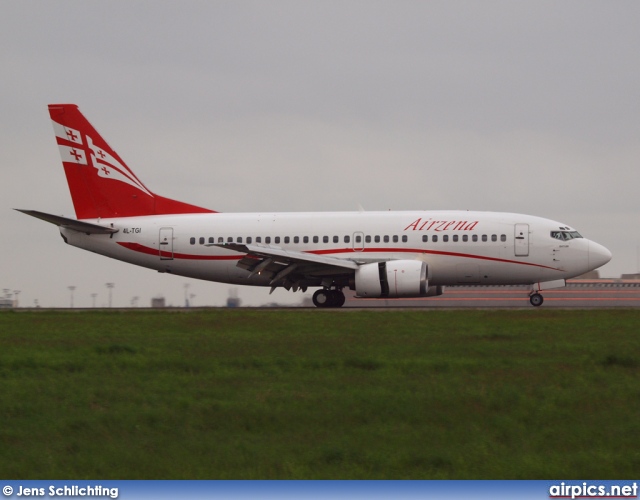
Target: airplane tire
column 536, row 300
column 339, row 299
column 328, row 298
column 321, row 298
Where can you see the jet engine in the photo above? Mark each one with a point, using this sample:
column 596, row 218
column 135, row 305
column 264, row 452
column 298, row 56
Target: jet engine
column 396, row 278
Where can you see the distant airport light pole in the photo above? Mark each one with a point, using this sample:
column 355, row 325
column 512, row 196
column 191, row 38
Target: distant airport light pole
column 71, row 290
column 110, row 287
column 93, row 297
column 186, row 295
column 16, row 293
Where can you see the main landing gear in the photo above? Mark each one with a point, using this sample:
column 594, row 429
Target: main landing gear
column 536, row 299
column 328, row 298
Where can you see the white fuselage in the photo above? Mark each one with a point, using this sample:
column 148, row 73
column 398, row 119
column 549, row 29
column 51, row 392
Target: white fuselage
column 459, row 247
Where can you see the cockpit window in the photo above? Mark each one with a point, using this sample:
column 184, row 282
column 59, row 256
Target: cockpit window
column 565, row 235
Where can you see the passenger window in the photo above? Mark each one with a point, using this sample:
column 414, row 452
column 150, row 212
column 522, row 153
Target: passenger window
column 367, row 239
column 305, row 239
column 455, row 237
column 474, row 237
column 404, row 238
column 376, row 239
column 386, row 239
column 296, row 239
column 395, row 238
column 465, row 238
column 267, row 239
column 503, row 237
column 192, row 241
column 239, row 239
column 316, row 239
column 434, row 239
column 230, row 239
column 287, row 239
column 276, row 239
column 211, row 239
column 358, row 238
column 494, row 237
column 258, row 239
column 336, row 239
column 425, row 238
column 220, row 239
column 484, row 237
column 445, row 238
column 325, row 239
column 248, row 240
column 347, row 239
column 201, row 240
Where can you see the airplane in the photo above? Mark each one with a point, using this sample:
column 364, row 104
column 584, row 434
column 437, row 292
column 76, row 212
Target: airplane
column 377, row 254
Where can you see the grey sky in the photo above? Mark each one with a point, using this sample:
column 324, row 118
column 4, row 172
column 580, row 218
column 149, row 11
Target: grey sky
column 527, row 107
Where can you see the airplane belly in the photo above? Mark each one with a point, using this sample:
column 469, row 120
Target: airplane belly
column 468, row 273
column 241, row 276
column 223, row 271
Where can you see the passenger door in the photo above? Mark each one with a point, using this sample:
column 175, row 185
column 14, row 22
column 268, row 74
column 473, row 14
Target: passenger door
column 521, row 240
column 165, row 243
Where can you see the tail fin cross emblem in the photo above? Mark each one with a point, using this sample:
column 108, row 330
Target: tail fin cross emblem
column 109, row 188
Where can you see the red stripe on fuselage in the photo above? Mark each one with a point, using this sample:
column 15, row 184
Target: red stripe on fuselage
column 152, row 251
column 432, row 252
column 137, row 247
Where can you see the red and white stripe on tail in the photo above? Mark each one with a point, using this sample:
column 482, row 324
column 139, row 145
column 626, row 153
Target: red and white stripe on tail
column 100, row 182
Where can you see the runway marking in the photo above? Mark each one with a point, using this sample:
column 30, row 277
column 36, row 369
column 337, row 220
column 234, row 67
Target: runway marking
column 501, row 299
column 526, row 296
column 459, row 292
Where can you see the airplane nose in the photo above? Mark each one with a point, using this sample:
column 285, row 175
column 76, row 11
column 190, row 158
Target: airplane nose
column 598, row 255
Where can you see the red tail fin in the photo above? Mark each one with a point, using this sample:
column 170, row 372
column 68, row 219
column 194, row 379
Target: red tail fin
column 101, row 184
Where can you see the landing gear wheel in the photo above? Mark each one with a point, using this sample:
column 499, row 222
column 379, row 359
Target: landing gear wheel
column 321, row 298
column 536, row 300
column 328, row 298
column 337, row 299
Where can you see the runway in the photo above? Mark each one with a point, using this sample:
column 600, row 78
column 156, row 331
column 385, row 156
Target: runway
column 577, row 294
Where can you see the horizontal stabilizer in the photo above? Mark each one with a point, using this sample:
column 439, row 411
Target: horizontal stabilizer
column 76, row 225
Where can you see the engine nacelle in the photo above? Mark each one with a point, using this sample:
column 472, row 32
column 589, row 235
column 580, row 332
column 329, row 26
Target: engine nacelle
column 396, row 278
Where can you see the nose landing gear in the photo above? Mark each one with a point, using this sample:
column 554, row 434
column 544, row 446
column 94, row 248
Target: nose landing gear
column 328, row 298
column 536, row 299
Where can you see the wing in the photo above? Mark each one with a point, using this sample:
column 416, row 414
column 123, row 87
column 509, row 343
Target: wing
column 289, row 268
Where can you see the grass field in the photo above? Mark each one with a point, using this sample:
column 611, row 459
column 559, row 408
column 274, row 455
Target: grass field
column 242, row 394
